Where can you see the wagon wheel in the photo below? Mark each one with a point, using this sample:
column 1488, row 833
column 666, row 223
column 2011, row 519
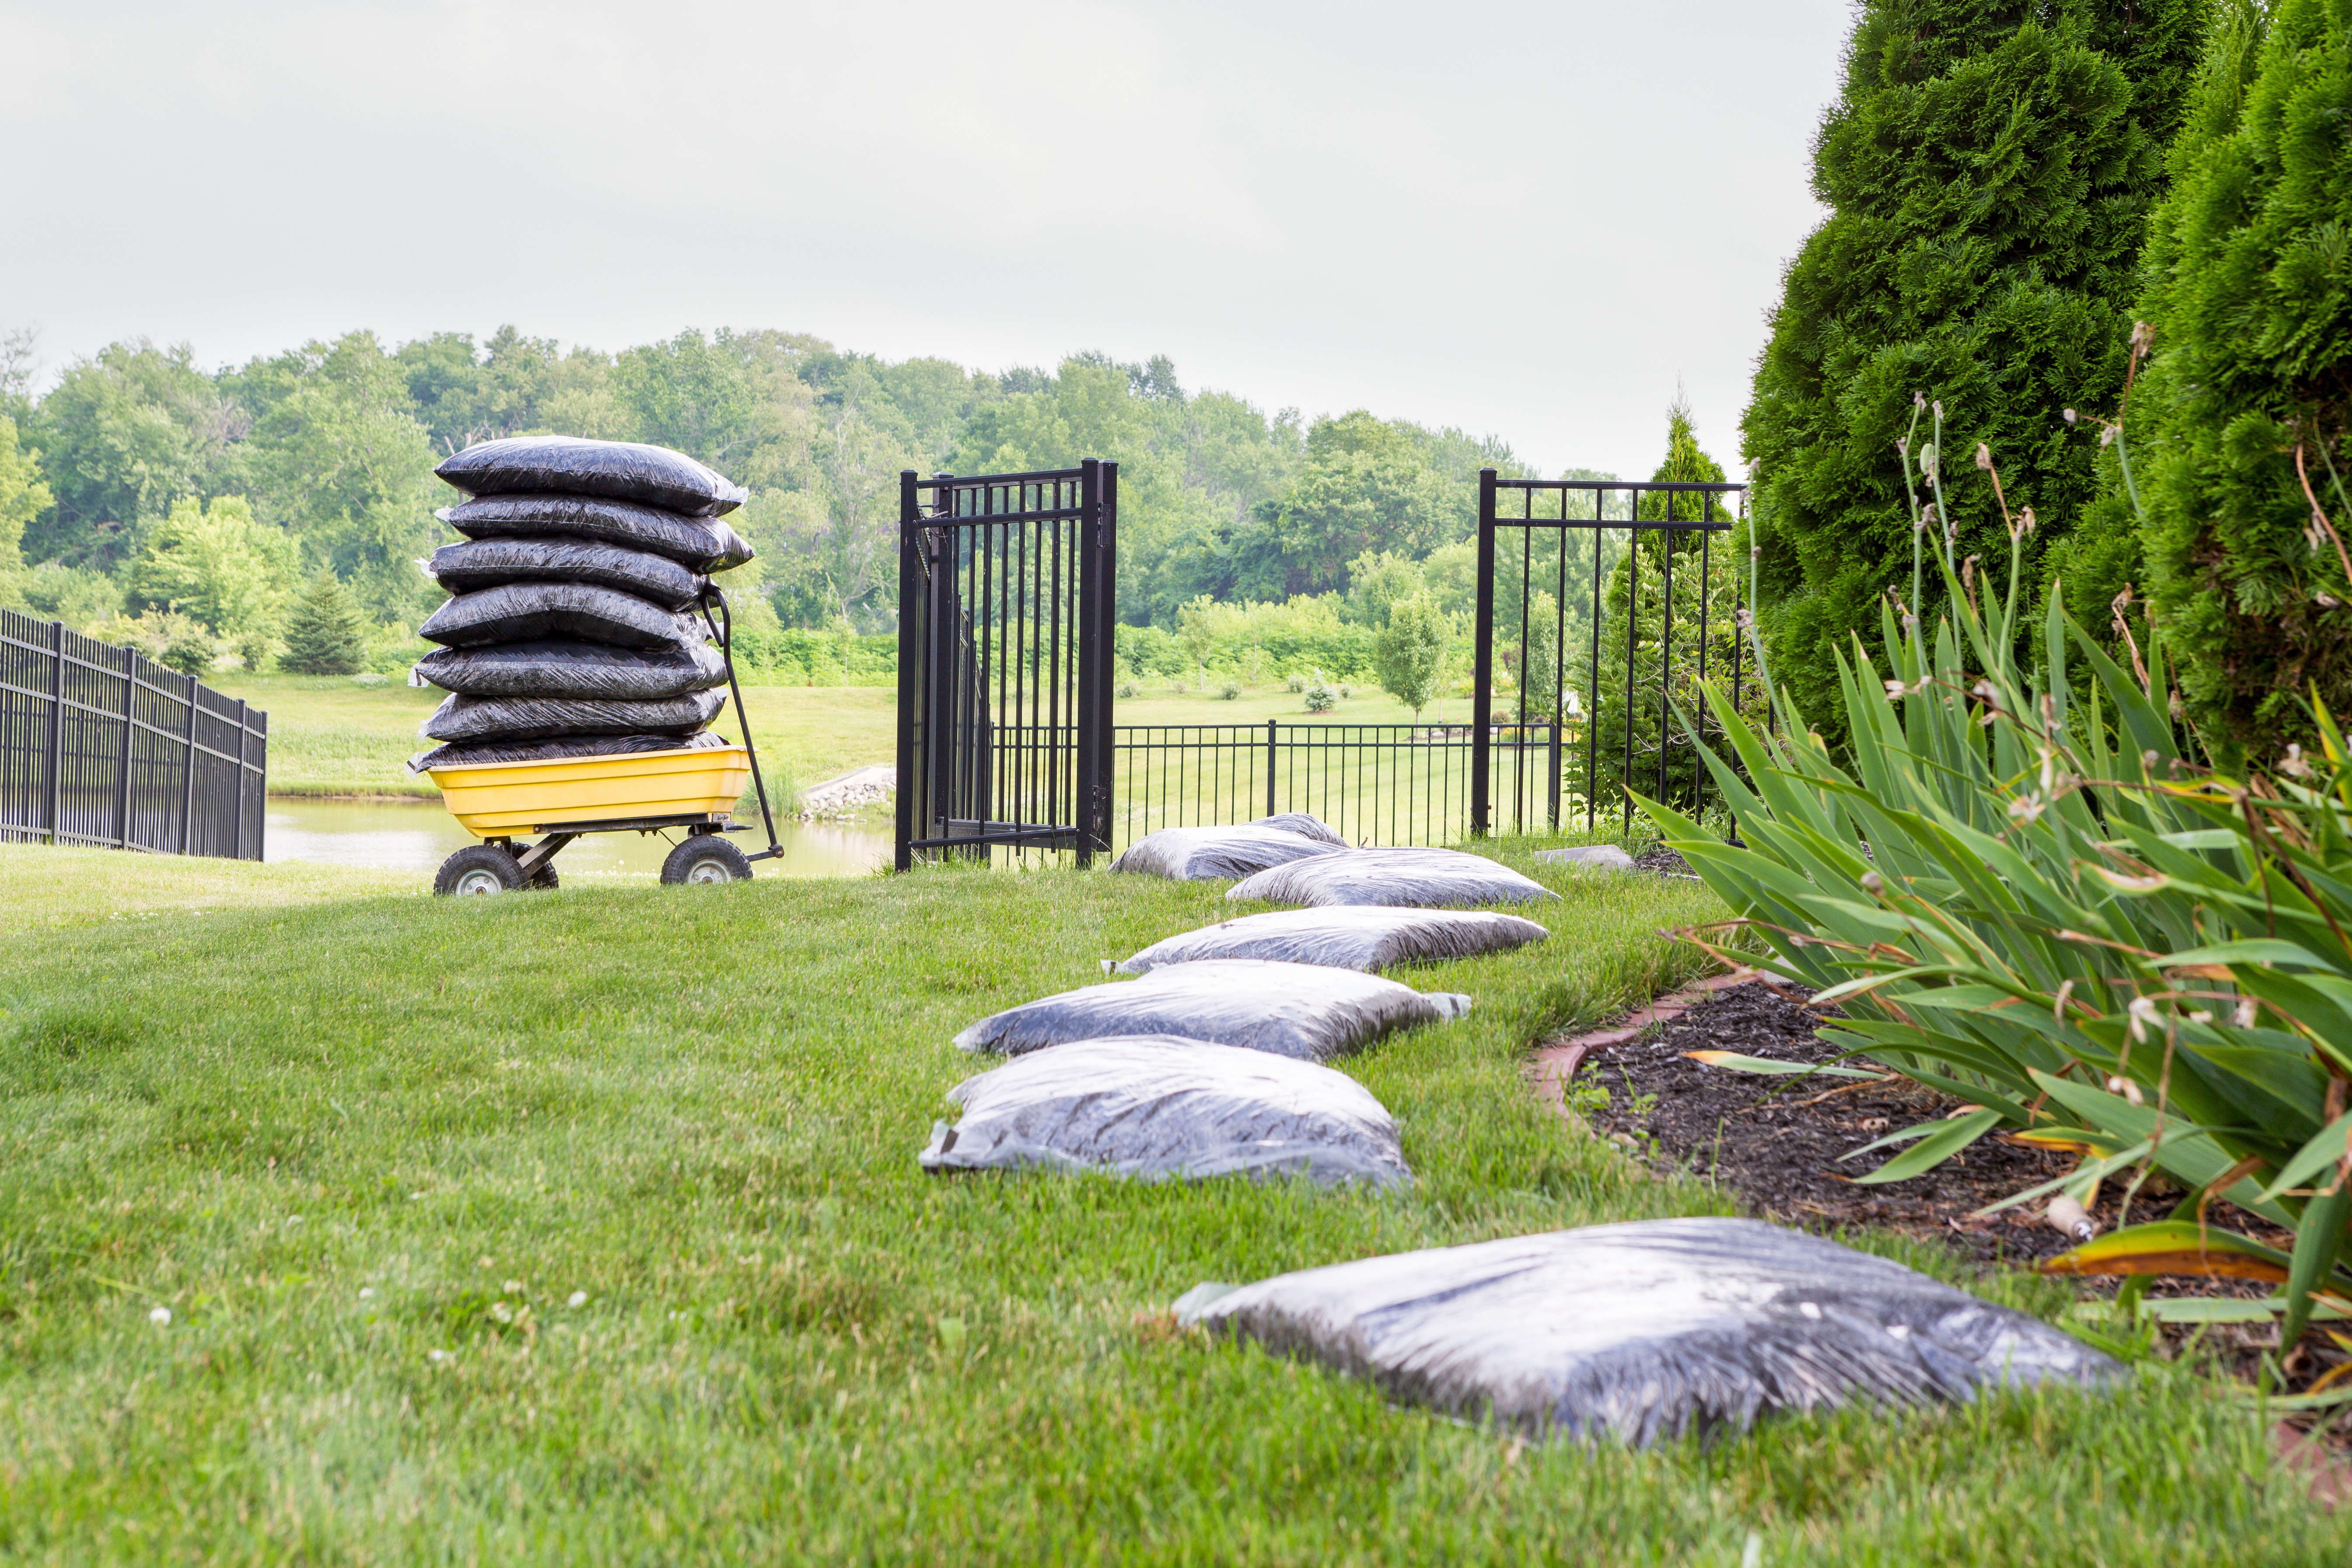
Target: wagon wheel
column 479, row 868
column 706, row 857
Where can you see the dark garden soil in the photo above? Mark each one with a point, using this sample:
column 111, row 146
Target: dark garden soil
column 1775, row 1143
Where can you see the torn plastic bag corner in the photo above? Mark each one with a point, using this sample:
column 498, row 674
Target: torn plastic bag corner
column 1648, row 1330
column 1300, row 1010
column 1209, row 854
column 1161, row 1107
column 493, row 562
column 624, row 470
column 576, row 669
column 466, row 756
column 558, row 718
column 1344, row 938
column 1396, row 878
column 533, row 612
column 697, row 544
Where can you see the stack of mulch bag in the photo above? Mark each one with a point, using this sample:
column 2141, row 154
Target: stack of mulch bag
column 576, row 625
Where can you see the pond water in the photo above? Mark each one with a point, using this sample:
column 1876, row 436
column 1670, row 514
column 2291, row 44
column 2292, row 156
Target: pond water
column 418, row 836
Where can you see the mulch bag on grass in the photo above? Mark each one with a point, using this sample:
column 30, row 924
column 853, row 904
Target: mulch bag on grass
column 1207, row 853
column 700, row 544
column 1349, row 937
column 555, row 717
column 1305, row 823
column 466, row 755
column 1398, row 879
column 490, row 563
column 1647, row 1331
column 1299, row 1010
column 624, row 471
column 578, row 669
column 1159, row 1106
column 530, row 612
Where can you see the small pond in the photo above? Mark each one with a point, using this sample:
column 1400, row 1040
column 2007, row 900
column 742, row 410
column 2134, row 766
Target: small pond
column 418, row 836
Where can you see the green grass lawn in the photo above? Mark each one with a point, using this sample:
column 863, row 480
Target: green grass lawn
column 330, row 735
column 366, row 1146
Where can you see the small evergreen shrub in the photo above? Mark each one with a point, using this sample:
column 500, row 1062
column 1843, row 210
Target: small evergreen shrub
column 327, row 631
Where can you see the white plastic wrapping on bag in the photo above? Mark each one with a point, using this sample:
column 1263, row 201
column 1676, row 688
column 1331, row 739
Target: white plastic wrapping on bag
column 582, row 669
column 1298, row 1010
column 468, row 754
column 698, row 544
column 626, row 470
column 491, row 562
column 1159, row 1106
column 1647, row 1331
column 1207, row 853
column 554, row 718
column 1346, row 938
column 532, row 612
column 1305, row 823
column 1398, row 879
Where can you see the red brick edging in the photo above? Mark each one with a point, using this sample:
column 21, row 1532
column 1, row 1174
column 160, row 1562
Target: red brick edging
column 1556, row 1064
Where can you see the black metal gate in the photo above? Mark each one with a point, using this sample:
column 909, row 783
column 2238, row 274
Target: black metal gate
column 1006, row 604
column 1613, row 587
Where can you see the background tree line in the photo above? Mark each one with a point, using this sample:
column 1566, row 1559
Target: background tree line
column 143, row 494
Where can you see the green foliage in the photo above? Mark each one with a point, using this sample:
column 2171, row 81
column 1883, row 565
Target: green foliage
column 2240, row 422
column 190, row 649
column 23, row 497
column 1989, row 169
column 234, row 574
column 1410, row 653
column 326, row 630
column 81, row 597
column 123, row 436
column 2041, row 903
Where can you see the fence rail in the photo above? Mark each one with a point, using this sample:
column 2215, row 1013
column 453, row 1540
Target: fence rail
column 100, row 746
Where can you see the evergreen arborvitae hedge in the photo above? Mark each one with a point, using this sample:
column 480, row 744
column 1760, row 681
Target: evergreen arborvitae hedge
column 2250, row 297
column 1990, row 166
column 325, row 631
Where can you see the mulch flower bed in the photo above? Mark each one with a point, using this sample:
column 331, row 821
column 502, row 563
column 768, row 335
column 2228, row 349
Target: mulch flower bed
column 1775, row 1143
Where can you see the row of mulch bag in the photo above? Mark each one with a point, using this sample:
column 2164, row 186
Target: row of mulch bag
column 1212, row 1062
column 578, row 622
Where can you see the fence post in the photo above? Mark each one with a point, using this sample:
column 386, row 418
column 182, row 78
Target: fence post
column 1553, row 771
column 188, row 774
column 57, row 728
column 1269, row 767
column 240, row 778
column 1090, row 679
column 911, row 790
column 130, row 723
column 1482, row 708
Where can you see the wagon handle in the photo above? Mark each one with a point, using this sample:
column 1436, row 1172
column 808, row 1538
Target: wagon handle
column 724, row 630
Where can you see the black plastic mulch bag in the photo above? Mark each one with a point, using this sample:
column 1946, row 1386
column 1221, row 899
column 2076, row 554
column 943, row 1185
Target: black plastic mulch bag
column 492, row 562
column 1399, row 878
column 1344, row 938
column 698, row 544
column 1154, row 1106
column 466, row 754
column 1647, row 1331
column 555, row 717
column 583, row 670
column 1300, row 1010
column 532, row 612
column 624, row 471
column 1208, row 853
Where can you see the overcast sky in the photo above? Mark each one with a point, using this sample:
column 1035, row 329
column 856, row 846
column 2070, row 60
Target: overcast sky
column 1525, row 219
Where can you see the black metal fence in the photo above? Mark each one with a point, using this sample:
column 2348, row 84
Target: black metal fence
column 1372, row 784
column 99, row 745
column 1004, row 647
column 1611, row 603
